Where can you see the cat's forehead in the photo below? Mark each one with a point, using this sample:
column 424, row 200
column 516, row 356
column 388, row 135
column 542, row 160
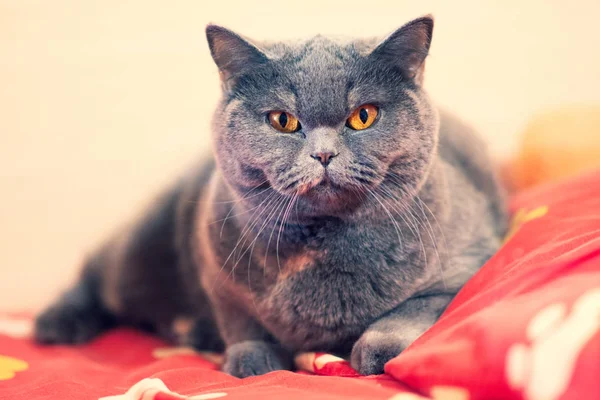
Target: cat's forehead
column 315, row 77
column 328, row 49
column 317, row 72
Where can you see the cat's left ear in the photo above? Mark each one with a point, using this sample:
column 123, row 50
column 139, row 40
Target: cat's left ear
column 233, row 54
column 407, row 48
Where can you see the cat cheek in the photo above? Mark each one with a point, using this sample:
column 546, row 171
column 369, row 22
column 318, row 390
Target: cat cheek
column 250, row 175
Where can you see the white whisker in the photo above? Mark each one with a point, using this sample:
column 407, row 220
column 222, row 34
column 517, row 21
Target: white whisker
column 394, row 222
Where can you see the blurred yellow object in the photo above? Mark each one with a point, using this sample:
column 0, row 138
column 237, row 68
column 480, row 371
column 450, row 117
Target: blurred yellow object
column 556, row 144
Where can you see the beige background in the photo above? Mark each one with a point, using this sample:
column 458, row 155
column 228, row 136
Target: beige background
column 102, row 102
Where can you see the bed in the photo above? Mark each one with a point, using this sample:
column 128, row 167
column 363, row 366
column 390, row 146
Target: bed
column 526, row 326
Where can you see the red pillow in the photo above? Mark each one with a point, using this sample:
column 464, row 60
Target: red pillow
column 527, row 325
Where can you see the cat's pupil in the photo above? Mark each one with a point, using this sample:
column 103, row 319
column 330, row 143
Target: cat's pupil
column 283, row 120
column 363, row 115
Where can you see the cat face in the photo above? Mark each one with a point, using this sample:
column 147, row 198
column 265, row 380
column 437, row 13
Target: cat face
column 324, row 121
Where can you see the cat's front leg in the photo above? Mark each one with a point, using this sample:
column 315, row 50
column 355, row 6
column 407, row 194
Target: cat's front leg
column 250, row 350
column 391, row 334
column 255, row 357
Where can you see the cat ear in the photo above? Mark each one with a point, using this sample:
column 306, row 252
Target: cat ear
column 233, row 54
column 407, row 48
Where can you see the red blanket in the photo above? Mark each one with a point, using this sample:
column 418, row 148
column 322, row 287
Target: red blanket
column 526, row 326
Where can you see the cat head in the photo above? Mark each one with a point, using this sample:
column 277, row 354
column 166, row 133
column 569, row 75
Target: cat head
column 322, row 120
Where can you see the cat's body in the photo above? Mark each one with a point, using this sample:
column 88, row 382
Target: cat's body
column 358, row 255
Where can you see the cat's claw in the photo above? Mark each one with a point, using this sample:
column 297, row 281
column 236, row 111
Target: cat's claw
column 251, row 358
column 373, row 350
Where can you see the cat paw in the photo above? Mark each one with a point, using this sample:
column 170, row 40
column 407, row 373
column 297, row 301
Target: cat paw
column 373, row 350
column 252, row 358
column 64, row 324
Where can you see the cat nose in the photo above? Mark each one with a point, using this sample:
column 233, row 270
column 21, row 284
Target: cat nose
column 324, row 157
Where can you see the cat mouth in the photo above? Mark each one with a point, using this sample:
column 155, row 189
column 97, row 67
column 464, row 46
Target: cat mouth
column 324, row 196
column 321, row 184
column 323, row 189
column 304, row 188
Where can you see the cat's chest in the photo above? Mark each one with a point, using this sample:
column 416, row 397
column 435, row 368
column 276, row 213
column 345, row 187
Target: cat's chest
column 320, row 305
column 321, row 288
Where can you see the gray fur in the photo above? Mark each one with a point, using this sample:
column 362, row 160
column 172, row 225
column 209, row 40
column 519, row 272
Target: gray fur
column 283, row 254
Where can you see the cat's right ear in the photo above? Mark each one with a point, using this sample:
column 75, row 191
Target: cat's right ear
column 233, row 54
column 407, row 48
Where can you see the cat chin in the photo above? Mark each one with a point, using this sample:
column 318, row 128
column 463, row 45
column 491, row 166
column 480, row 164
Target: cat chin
column 328, row 199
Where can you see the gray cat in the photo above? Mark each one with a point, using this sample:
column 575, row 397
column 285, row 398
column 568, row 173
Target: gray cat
column 342, row 214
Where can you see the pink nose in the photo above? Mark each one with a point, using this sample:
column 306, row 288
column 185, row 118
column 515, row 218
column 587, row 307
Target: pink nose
column 324, row 157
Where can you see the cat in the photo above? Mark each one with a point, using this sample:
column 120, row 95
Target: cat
column 342, row 212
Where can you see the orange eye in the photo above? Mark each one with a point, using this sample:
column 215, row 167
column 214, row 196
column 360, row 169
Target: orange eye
column 363, row 117
column 284, row 122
